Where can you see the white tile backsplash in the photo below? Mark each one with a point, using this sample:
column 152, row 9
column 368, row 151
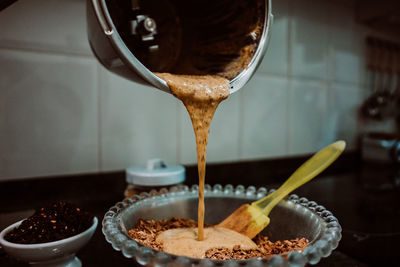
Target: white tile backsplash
column 309, row 39
column 276, row 58
column 49, row 119
column 307, row 109
column 264, row 126
column 49, row 25
column 341, row 118
column 137, row 123
column 345, row 48
column 347, row 55
column 223, row 143
column 2, row 131
column 186, row 138
column 61, row 112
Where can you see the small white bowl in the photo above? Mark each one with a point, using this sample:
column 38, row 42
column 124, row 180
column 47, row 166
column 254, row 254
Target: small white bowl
column 56, row 253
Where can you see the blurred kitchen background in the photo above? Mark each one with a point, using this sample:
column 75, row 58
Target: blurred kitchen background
column 62, row 113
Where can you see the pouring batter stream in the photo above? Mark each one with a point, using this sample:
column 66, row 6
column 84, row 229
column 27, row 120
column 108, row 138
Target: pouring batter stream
column 201, row 96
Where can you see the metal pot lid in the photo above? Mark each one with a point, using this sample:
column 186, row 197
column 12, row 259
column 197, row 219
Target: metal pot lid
column 155, row 173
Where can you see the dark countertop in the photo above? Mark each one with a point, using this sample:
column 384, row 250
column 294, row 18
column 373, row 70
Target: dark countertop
column 364, row 197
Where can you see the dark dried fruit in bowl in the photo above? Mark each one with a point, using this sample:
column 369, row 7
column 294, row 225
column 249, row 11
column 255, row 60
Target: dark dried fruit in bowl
column 54, row 222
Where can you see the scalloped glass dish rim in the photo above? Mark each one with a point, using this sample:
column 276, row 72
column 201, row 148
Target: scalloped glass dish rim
column 229, row 190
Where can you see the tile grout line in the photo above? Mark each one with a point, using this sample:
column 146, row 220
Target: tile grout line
column 44, row 51
column 360, row 84
column 331, row 79
column 241, row 123
column 330, row 73
column 88, row 56
column 178, row 156
column 330, row 70
column 325, row 115
column 99, row 119
column 289, row 77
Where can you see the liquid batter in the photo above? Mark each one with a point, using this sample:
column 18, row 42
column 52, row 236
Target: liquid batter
column 182, row 241
column 201, row 96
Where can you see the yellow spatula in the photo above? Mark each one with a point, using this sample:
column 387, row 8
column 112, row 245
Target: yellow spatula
column 250, row 220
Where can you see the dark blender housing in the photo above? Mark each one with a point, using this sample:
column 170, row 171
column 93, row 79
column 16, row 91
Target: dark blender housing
column 137, row 37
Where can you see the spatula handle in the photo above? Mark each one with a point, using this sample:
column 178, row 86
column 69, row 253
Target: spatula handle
column 311, row 168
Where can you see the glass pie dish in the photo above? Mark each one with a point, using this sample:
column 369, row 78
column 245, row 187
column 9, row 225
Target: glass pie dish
column 293, row 217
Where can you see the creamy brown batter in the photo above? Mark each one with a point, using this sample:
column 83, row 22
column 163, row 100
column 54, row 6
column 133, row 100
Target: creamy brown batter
column 201, row 96
column 146, row 232
column 182, row 241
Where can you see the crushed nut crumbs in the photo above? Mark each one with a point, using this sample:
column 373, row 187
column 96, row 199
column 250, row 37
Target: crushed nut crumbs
column 146, row 231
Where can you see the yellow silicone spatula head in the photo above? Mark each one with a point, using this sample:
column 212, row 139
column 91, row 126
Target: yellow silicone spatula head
column 251, row 219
